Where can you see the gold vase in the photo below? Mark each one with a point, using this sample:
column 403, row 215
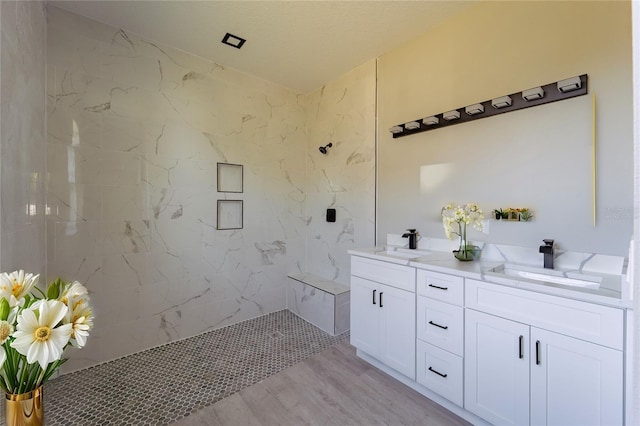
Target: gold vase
column 25, row 409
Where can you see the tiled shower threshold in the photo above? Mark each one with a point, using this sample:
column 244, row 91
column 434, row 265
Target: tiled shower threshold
column 164, row 384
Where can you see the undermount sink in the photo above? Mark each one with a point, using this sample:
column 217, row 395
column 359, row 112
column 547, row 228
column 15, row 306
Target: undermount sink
column 403, row 253
column 573, row 279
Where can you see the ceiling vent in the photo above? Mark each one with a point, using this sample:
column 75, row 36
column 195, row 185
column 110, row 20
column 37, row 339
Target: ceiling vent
column 233, row 41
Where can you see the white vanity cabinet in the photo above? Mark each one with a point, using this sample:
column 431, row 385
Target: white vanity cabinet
column 552, row 362
column 440, row 332
column 495, row 353
column 383, row 312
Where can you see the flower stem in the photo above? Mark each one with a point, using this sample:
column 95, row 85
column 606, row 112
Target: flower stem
column 464, row 238
column 38, row 382
column 462, row 232
column 23, row 378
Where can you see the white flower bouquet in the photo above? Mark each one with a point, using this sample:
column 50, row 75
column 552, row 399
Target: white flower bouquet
column 36, row 327
column 455, row 219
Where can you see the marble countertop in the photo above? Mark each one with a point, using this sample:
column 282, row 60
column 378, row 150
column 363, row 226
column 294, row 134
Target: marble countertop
column 608, row 293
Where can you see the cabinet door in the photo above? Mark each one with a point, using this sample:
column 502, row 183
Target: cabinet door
column 365, row 315
column 574, row 382
column 398, row 330
column 496, row 369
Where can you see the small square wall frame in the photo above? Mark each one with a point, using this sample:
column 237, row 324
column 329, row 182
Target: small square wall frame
column 230, row 177
column 229, row 214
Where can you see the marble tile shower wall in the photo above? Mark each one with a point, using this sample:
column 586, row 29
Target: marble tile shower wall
column 343, row 113
column 135, row 130
column 22, row 136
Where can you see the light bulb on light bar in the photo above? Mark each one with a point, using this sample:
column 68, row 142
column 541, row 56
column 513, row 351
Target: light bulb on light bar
column 501, row 102
column 412, row 125
column 396, row 129
column 569, row 84
column 474, row 109
column 430, row 121
column 451, row 115
column 533, row 94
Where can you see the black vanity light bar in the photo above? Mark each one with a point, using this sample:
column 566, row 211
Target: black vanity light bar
column 552, row 92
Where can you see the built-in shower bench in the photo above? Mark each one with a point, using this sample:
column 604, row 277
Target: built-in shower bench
column 324, row 303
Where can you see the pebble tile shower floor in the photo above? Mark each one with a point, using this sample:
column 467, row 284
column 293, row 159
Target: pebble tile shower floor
column 164, row 384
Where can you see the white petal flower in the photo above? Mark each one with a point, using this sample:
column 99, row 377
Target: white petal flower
column 76, row 297
column 39, row 336
column 6, row 329
column 3, row 356
column 80, row 316
column 16, row 285
column 74, row 290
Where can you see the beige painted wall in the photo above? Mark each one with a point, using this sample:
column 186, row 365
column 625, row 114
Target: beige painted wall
column 538, row 158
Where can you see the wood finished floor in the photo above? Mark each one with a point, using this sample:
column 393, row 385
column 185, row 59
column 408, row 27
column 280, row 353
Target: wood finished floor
column 334, row 387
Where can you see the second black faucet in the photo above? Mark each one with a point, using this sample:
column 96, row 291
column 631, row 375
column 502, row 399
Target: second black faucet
column 547, row 250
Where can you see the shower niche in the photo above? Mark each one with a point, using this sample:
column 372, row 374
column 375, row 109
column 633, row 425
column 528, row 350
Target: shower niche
column 230, row 177
column 230, row 212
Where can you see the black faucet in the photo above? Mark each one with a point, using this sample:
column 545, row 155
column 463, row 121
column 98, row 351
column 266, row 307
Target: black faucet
column 547, row 250
column 413, row 238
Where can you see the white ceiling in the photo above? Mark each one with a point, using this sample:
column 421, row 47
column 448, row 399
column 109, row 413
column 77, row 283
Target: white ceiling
column 297, row 44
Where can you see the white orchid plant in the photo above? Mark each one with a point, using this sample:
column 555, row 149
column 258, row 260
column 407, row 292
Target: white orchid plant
column 455, row 219
column 36, row 327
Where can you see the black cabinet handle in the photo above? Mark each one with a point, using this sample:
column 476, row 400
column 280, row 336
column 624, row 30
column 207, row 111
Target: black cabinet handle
column 438, row 287
column 381, row 293
column 538, row 352
column 521, row 347
column 437, row 372
column 444, row 327
column 374, row 297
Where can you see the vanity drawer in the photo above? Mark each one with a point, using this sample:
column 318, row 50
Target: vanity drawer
column 440, row 371
column 599, row 324
column 441, row 324
column 399, row 276
column 444, row 287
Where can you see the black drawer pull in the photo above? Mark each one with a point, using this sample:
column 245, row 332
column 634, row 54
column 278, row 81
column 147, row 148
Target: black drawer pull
column 538, row 361
column 438, row 287
column 437, row 372
column 374, row 297
column 381, row 293
column 521, row 347
column 444, row 327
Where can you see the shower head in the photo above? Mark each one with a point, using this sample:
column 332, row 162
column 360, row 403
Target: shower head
column 325, row 149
